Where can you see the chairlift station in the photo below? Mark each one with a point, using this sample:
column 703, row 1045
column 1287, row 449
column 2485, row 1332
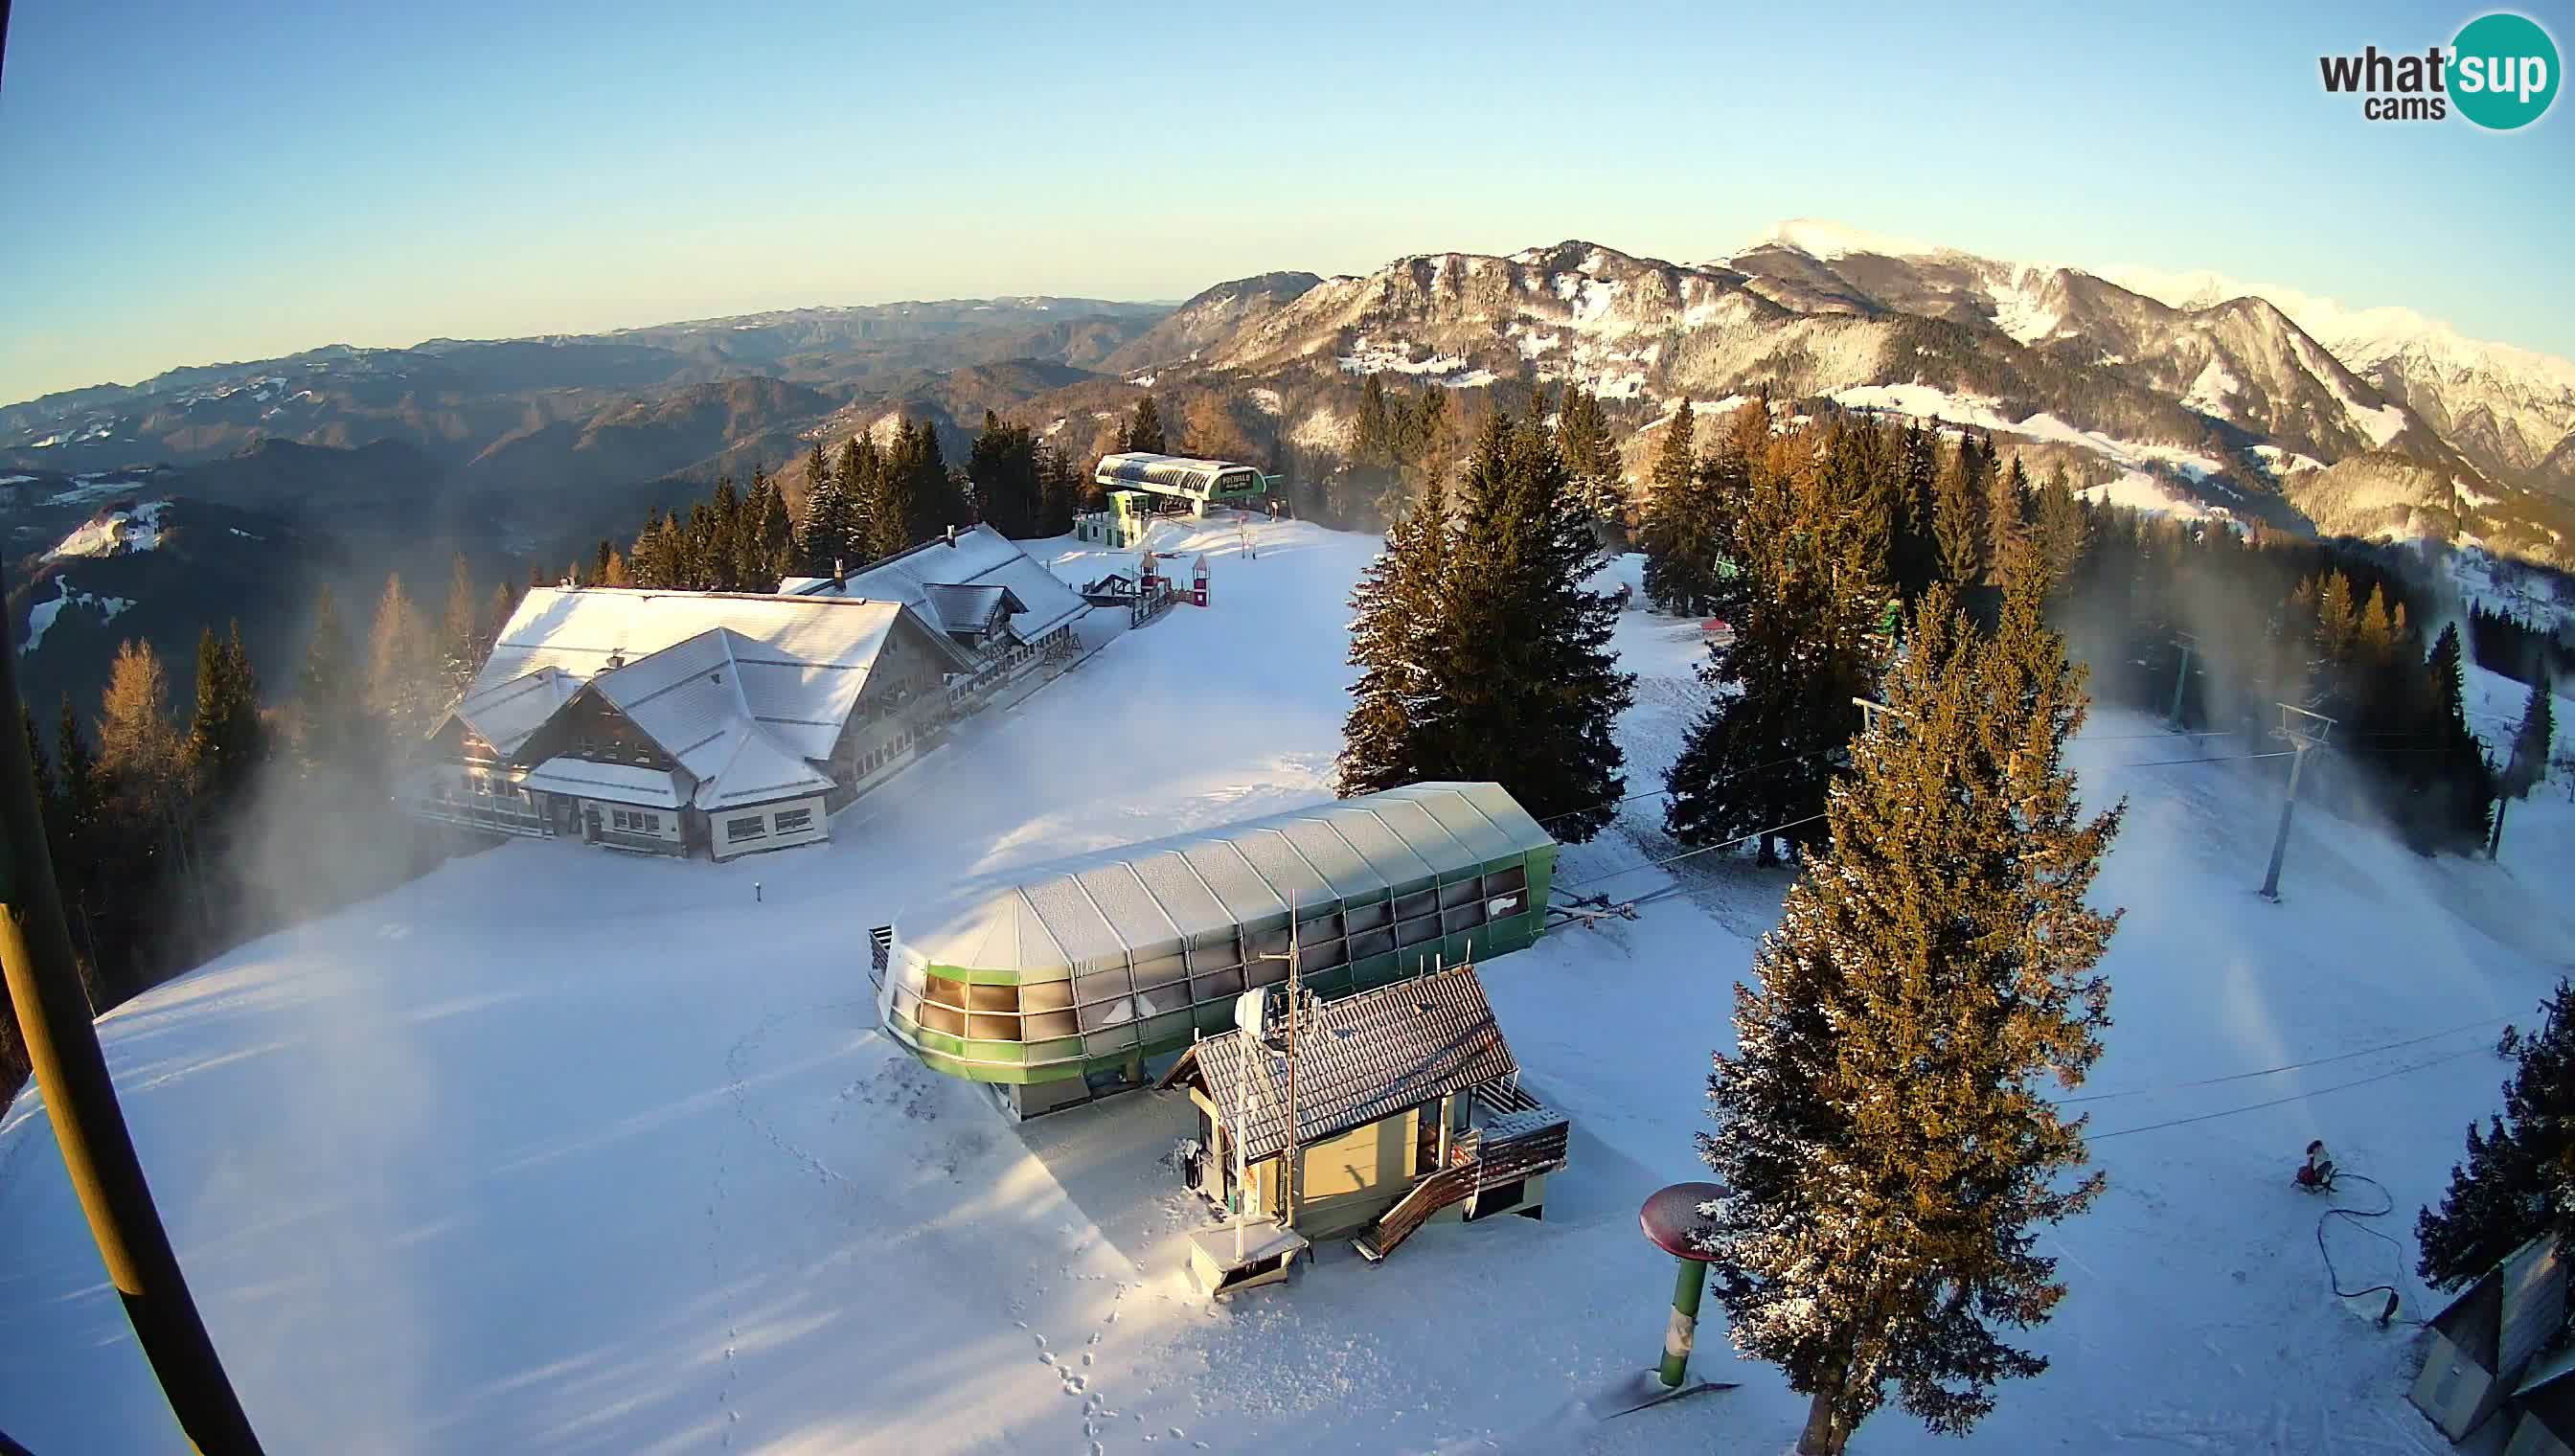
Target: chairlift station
column 1055, row 984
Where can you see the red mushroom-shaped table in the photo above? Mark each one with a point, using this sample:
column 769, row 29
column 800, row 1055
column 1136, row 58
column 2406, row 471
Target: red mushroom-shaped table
column 1673, row 1221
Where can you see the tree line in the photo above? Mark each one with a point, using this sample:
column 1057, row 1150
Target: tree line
column 1884, row 1153
column 1879, row 1119
column 863, row 503
column 175, row 836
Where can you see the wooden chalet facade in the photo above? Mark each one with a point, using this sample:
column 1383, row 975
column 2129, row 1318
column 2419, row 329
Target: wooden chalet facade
column 674, row 722
column 1409, row 1111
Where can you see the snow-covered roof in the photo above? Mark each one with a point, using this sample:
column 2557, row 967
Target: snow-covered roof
column 702, row 701
column 503, row 714
column 1358, row 1059
column 979, row 557
column 800, row 661
column 1151, row 899
column 959, row 608
column 621, row 783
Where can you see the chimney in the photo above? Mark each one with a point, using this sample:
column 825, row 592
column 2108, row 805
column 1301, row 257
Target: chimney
column 839, row 575
column 951, row 538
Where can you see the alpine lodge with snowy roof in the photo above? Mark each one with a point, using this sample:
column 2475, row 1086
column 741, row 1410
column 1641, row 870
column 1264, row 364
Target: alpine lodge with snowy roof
column 672, row 723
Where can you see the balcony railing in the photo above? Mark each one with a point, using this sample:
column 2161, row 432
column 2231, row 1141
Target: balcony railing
column 471, row 814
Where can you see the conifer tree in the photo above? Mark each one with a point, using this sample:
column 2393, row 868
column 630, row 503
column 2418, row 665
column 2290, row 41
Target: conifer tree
column 1880, row 1129
column 2514, row 1185
column 402, row 669
column 1529, row 679
column 829, row 524
column 895, row 504
column 2006, row 523
column 463, row 640
column 2530, row 744
column 2463, row 782
column 2058, row 532
column 1957, row 519
column 774, row 532
column 1582, row 436
column 1809, row 637
column 224, row 735
column 597, row 575
column 1399, row 717
column 1674, row 528
column 497, row 611
column 138, row 750
column 863, row 481
column 1144, row 429
column 1913, row 553
column 719, row 551
column 760, row 538
column 1060, row 489
column 1003, row 465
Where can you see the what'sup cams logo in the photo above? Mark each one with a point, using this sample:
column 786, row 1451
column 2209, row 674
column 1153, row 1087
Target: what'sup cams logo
column 2499, row 72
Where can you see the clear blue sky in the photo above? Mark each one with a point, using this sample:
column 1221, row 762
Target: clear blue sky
column 190, row 183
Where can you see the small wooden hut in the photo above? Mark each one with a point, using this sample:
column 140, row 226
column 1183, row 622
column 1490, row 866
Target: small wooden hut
column 1408, row 1109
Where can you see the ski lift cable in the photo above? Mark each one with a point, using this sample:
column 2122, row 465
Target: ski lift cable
column 2284, row 1067
column 2406, row 1071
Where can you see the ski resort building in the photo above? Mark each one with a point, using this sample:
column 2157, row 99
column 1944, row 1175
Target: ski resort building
column 674, row 721
column 1183, row 483
column 2479, row 1349
column 1057, row 983
column 992, row 599
column 1408, row 1111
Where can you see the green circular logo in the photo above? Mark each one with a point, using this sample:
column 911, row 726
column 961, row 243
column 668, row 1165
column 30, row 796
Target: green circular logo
column 2503, row 71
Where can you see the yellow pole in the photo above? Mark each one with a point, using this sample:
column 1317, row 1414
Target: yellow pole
column 89, row 1127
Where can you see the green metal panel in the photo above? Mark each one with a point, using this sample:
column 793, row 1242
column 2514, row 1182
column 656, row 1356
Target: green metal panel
column 1105, row 922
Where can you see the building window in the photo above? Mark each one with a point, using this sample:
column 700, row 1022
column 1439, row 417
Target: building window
column 750, row 826
column 795, row 821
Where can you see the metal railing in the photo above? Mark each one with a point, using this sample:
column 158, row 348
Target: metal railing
column 471, row 815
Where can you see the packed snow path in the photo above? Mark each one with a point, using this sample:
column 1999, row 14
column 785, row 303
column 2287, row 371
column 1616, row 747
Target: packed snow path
column 560, row 1151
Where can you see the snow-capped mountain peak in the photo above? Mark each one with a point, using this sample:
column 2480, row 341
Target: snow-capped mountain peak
column 1825, row 241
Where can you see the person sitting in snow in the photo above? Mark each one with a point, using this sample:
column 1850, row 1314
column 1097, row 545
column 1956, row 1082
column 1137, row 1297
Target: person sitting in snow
column 2317, row 1171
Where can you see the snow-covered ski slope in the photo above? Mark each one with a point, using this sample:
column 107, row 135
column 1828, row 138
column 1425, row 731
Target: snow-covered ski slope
column 560, row 1151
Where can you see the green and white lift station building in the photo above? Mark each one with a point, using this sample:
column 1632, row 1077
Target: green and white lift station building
column 1057, row 983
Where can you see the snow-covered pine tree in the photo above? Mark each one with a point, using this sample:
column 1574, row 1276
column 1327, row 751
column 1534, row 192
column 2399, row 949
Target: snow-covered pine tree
column 1811, row 603
column 2514, row 1185
column 1396, row 721
column 1887, row 1152
column 1529, row 678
